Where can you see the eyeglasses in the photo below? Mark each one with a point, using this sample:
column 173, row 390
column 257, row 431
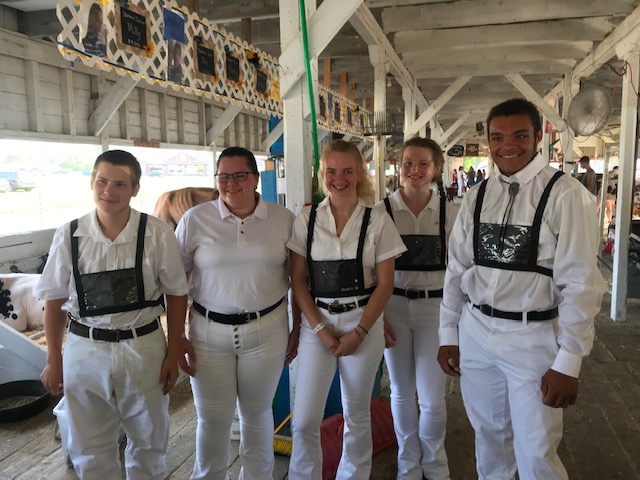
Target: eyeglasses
column 238, row 176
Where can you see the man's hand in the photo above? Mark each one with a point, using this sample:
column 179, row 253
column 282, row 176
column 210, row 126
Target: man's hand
column 51, row 377
column 389, row 336
column 292, row 346
column 179, row 353
column 559, row 390
column 186, row 356
column 449, row 359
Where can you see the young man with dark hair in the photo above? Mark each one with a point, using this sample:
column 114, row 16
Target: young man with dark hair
column 106, row 275
column 519, row 300
column 589, row 179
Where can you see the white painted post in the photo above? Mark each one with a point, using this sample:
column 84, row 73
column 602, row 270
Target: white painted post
column 380, row 67
column 626, row 181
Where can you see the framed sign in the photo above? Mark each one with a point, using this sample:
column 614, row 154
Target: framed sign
column 205, row 65
column 456, row 151
column 94, row 35
column 261, row 83
column 322, row 107
column 233, row 72
column 133, row 29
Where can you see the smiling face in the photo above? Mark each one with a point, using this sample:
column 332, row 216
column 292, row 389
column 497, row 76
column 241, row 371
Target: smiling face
column 113, row 188
column 418, row 167
column 237, row 195
column 340, row 175
column 512, row 142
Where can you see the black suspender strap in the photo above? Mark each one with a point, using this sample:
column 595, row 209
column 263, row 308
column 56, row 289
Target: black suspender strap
column 139, row 254
column 360, row 254
column 387, row 205
column 537, row 224
column 310, row 227
column 443, row 241
column 476, row 219
column 74, row 262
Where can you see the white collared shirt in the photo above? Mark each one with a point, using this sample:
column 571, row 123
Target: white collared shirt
column 237, row 265
column 568, row 244
column 162, row 270
column 382, row 240
column 426, row 223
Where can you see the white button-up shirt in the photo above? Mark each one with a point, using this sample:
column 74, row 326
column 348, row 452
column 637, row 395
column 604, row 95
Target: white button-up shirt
column 237, row 265
column 382, row 240
column 162, row 270
column 426, row 223
column 568, row 244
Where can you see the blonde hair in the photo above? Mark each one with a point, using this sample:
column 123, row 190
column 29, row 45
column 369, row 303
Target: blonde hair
column 436, row 155
column 364, row 188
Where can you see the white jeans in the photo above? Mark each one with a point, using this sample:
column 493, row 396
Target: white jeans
column 315, row 371
column 413, row 367
column 502, row 363
column 240, row 363
column 108, row 384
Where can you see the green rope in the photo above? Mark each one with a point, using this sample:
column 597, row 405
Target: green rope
column 314, row 127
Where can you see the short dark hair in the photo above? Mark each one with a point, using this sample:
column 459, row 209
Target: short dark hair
column 239, row 152
column 516, row 106
column 584, row 158
column 119, row 157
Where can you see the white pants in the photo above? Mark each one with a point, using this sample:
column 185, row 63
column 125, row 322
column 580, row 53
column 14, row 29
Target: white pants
column 502, row 363
column 240, row 363
column 315, row 371
column 413, row 367
column 108, row 384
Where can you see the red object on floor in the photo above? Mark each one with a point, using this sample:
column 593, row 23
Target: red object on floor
column 332, row 428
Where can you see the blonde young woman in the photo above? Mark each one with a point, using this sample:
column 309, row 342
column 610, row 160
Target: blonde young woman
column 342, row 262
column 424, row 218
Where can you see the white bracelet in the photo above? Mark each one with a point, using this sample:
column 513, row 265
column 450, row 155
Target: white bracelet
column 318, row 327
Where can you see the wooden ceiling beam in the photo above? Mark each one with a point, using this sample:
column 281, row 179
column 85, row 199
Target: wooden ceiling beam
column 469, row 13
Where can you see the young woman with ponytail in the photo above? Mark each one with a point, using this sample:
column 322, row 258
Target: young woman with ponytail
column 424, row 219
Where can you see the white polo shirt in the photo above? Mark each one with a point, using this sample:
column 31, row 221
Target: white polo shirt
column 237, row 265
column 426, row 223
column 162, row 271
column 382, row 240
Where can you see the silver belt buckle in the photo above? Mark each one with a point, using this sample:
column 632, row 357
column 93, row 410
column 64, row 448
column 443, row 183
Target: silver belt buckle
column 335, row 304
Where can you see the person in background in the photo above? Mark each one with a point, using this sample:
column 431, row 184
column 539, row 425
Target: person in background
column 589, row 179
column 107, row 273
column 471, row 177
column 462, row 181
column 479, row 176
column 517, row 315
column 234, row 250
column 342, row 262
column 424, row 219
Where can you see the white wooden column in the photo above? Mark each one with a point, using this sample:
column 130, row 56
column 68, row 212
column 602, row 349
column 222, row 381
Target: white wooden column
column 545, row 141
column 409, row 99
column 298, row 144
column 626, row 181
column 380, row 68
column 568, row 92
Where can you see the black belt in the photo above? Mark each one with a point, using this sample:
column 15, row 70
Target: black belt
column 531, row 316
column 107, row 335
column 335, row 308
column 234, row 318
column 413, row 294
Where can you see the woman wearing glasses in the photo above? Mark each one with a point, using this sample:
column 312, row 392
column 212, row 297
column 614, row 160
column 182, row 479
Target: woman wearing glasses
column 347, row 250
column 233, row 248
